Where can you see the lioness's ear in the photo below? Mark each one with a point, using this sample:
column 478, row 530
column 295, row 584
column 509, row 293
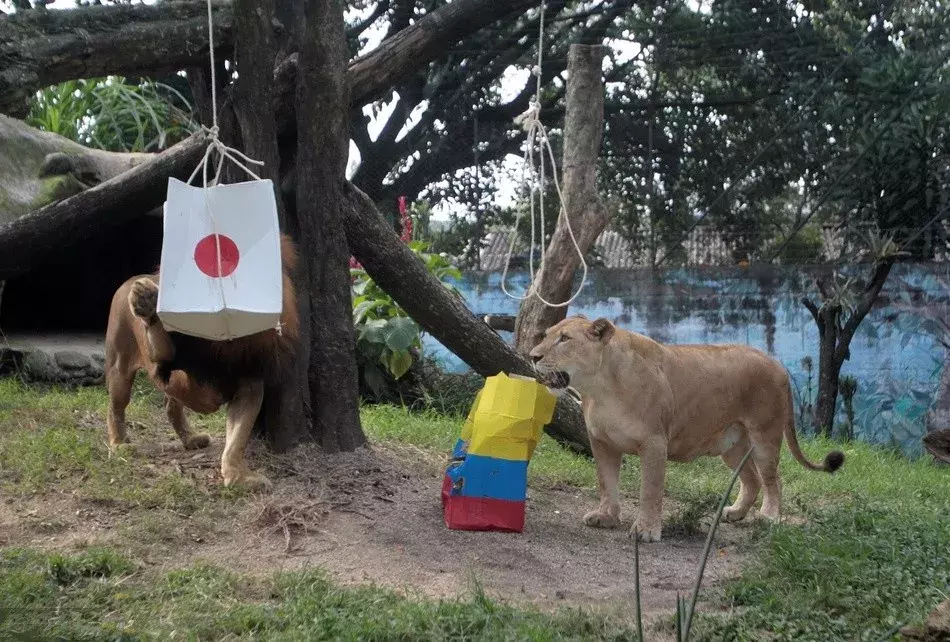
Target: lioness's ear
column 601, row 330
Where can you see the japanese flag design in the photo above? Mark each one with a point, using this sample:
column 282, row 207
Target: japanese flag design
column 220, row 275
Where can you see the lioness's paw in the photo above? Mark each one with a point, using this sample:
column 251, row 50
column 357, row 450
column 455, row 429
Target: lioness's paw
column 194, row 442
column 650, row 534
column 122, row 449
column 732, row 514
column 143, row 298
column 247, row 478
column 601, row 519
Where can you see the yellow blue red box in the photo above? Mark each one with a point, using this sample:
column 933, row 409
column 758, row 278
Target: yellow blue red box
column 485, row 485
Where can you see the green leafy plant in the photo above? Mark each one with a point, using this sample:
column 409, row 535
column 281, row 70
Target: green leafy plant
column 387, row 340
column 114, row 114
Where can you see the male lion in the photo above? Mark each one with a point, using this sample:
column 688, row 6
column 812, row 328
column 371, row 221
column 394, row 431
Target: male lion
column 664, row 402
column 196, row 373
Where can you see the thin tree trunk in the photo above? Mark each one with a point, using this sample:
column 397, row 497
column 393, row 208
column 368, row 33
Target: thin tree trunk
column 829, row 369
column 323, row 144
column 583, row 133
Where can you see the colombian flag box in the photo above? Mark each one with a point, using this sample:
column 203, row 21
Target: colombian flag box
column 485, row 485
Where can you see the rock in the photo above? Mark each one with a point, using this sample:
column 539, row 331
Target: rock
column 936, row 628
column 72, row 360
column 99, row 358
column 37, row 366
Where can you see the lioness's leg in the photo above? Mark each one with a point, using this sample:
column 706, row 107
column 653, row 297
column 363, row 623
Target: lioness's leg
column 242, row 413
column 176, row 416
column 143, row 299
column 607, row 460
column 749, row 482
column 766, row 459
column 653, row 478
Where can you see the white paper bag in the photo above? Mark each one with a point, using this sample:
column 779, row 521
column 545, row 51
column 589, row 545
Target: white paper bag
column 246, row 298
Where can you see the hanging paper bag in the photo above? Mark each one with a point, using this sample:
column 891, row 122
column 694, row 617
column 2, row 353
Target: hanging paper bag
column 485, row 485
column 220, row 275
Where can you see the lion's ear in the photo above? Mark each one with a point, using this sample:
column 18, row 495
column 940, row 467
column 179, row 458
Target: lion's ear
column 601, row 330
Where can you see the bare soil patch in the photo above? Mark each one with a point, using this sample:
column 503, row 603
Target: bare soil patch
column 374, row 516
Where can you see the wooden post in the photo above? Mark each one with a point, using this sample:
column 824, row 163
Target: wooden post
column 583, row 133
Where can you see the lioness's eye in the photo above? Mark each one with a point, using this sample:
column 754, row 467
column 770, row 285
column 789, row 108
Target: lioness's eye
column 562, row 338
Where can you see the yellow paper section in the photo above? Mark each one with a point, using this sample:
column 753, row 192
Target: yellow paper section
column 468, row 426
column 508, row 416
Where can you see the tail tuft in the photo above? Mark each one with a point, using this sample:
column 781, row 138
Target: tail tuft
column 833, row 461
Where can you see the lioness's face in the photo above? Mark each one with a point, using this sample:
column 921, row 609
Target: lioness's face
column 570, row 350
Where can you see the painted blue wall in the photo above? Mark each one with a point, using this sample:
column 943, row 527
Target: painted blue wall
column 897, row 370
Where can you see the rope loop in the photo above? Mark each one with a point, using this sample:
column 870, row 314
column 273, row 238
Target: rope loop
column 530, row 122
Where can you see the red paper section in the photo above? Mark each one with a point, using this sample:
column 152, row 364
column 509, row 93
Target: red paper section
column 206, row 255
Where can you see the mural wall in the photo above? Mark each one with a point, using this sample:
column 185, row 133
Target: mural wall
column 898, row 357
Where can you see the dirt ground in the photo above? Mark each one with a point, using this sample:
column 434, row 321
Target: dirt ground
column 374, row 516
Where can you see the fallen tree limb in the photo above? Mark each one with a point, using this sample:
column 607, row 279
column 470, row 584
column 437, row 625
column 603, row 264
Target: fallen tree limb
column 33, row 237
column 400, row 273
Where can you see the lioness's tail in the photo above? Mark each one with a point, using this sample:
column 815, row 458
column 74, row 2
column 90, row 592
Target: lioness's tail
column 833, row 460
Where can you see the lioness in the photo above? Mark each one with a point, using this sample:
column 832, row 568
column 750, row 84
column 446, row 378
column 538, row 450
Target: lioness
column 196, row 373
column 664, row 402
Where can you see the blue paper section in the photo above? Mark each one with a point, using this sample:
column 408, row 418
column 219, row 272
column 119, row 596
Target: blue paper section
column 459, row 450
column 489, row 477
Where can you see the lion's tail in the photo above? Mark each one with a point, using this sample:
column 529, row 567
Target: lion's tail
column 833, row 460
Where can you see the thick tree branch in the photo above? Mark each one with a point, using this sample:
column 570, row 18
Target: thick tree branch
column 29, row 240
column 42, row 48
column 813, row 309
column 871, row 292
column 415, row 46
column 403, row 276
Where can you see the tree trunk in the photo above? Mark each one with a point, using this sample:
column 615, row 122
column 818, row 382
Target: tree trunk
column 281, row 420
column 829, row 370
column 583, row 133
column 402, row 275
column 835, row 340
column 323, row 144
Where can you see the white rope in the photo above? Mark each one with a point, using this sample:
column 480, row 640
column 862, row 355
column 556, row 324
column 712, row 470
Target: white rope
column 530, row 121
column 216, row 145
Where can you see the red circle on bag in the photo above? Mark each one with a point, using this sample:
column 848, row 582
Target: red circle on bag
column 206, row 255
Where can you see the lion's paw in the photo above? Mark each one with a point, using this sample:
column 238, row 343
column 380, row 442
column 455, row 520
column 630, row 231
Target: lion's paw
column 601, row 519
column 247, row 478
column 195, row 442
column 143, row 298
column 645, row 534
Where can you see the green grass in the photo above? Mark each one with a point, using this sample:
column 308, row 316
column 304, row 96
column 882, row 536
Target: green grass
column 864, row 549
column 99, row 595
column 873, row 553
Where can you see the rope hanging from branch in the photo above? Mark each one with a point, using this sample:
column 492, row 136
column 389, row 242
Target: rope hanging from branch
column 216, row 145
column 537, row 135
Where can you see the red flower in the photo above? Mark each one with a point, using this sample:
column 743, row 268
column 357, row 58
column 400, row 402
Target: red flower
column 406, row 220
